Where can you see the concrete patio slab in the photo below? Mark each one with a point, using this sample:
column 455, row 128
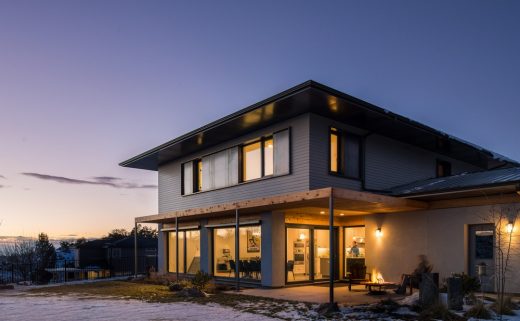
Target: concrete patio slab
column 320, row 294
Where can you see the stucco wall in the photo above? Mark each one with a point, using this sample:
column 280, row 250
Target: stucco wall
column 439, row 234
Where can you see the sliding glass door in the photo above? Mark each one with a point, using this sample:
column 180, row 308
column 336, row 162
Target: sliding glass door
column 308, row 253
column 189, row 251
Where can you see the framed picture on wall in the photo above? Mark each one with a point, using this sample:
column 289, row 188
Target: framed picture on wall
column 253, row 242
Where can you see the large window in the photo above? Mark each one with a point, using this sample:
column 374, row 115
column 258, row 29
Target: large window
column 249, row 254
column 345, row 153
column 355, row 252
column 189, row 251
column 266, row 156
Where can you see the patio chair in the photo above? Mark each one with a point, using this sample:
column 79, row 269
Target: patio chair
column 290, row 267
column 357, row 274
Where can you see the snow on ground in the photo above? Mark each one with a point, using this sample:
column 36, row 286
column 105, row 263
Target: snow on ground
column 59, row 308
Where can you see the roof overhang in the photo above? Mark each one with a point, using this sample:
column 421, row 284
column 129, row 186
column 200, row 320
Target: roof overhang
column 313, row 97
column 348, row 202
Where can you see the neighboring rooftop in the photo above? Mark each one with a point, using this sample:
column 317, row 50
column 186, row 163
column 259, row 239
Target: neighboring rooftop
column 313, row 97
column 500, row 180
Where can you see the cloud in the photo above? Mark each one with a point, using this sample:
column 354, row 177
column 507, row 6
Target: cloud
column 98, row 180
column 2, row 176
column 2, row 186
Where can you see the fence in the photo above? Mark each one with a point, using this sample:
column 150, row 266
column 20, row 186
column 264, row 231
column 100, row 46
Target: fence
column 74, row 270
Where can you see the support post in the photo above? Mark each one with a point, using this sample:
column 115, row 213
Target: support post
column 332, row 249
column 135, row 250
column 237, row 250
column 177, row 248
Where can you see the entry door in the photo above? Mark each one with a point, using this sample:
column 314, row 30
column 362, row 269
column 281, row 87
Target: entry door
column 481, row 251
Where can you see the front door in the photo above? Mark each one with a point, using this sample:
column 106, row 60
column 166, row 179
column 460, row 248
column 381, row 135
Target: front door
column 482, row 252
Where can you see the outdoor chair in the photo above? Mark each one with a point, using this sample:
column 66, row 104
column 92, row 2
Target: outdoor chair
column 290, row 267
column 357, row 274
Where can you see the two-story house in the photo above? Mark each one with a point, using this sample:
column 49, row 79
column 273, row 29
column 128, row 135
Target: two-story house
column 312, row 165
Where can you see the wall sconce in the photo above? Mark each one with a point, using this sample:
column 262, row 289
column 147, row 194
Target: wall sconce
column 509, row 227
column 302, row 236
column 378, row 232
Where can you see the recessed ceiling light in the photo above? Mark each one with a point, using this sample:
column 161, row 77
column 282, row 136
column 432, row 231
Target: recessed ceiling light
column 341, row 214
column 322, row 212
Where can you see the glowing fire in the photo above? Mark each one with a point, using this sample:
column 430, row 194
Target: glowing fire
column 377, row 276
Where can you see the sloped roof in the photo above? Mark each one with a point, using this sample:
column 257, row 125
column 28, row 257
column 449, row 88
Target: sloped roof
column 497, row 177
column 313, row 97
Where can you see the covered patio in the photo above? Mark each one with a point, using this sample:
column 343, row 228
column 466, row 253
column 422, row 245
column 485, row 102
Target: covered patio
column 334, row 203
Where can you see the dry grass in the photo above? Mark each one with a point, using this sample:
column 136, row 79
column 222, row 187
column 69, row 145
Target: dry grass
column 149, row 292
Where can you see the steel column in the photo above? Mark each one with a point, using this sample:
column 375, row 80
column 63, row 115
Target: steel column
column 237, row 250
column 135, row 250
column 176, row 248
column 332, row 249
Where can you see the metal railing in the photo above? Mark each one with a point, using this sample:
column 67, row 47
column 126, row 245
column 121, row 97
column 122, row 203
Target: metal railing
column 74, row 270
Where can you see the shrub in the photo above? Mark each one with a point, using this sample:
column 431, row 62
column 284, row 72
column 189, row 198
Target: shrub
column 505, row 307
column 201, row 280
column 438, row 312
column 478, row 311
column 470, row 284
column 385, row 306
column 178, row 285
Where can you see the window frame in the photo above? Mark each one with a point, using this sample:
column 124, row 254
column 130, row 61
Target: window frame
column 446, row 165
column 262, row 141
column 184, row 247
column 195, row 176
column 342, row 137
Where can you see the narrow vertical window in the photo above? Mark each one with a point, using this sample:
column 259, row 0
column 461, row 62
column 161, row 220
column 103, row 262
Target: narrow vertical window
column 197, row 172
column 334, row 150
column 268, row 156
column 251, row 161
column 443, row 168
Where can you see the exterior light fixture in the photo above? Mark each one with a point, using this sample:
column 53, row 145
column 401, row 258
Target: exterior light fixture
column 322, row 212
column 341, row 214
column 509, row 227
column 302, row 236
column 379, row 233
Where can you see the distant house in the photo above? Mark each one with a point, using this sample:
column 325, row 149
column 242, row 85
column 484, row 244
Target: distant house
column 313, row 184
column 118, row 254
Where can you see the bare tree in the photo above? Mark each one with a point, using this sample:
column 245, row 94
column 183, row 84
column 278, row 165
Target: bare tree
column 503, row 218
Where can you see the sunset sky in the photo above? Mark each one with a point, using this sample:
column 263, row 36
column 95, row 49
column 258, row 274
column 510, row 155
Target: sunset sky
column 85, row 85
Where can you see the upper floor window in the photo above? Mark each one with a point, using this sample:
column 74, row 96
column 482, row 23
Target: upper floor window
column 443, row 168
column 266, row 156
column 345, row 153
column 258, row 159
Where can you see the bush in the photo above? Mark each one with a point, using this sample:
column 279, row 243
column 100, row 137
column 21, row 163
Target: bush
column 178, row 285
column 506, row 307
column 438, row 312
column 470, row 284
column 201, row 280
column 479, row 311
column 385, row 306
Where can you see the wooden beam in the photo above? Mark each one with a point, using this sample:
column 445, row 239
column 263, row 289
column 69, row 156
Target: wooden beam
column 383, row 200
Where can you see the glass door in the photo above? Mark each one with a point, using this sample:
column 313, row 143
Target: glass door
column 355, row 252
column 298, row 265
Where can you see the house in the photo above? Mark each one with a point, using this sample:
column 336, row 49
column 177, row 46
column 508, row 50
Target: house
column 118, row 254
column 323, row 184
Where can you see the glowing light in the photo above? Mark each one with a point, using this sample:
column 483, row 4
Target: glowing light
column 509, row 227
column 322, row 212
column 379, row 233
column 302, row 236
column 341, row 214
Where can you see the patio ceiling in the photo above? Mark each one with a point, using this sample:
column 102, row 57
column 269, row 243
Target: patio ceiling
column 347, row 202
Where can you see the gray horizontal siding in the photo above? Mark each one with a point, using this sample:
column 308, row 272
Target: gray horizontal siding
column 319, row 176
column 170, row 197
column 390, row 163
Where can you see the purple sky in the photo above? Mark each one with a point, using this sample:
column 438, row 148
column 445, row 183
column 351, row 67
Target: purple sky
column 87, row 84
